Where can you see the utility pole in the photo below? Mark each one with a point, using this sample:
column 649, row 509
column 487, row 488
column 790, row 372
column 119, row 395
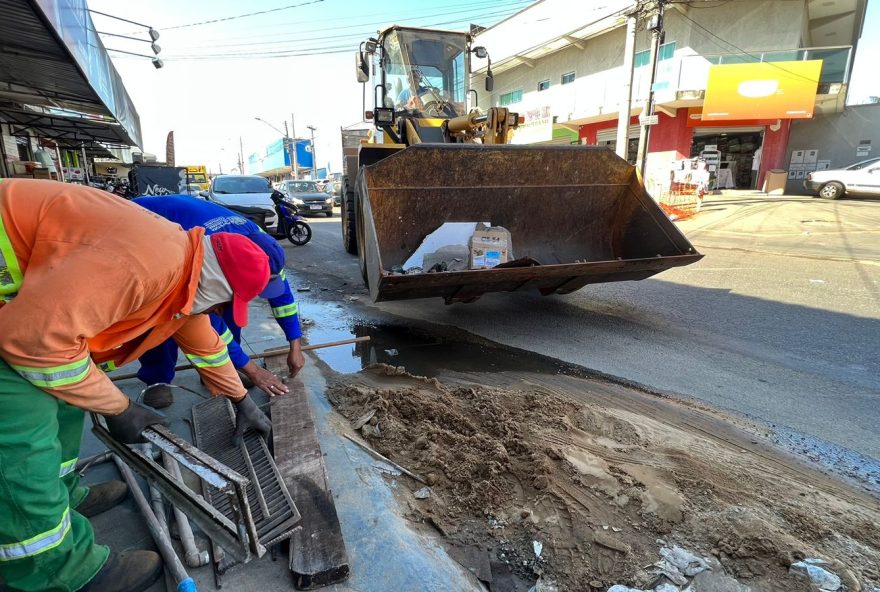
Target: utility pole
column 655, row 25
column 314, row 156
column 293, row 154
column 240, row 156
column 629, row 52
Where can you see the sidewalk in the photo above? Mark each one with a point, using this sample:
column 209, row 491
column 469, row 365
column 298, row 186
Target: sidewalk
column 385, row 552
column 796, row 225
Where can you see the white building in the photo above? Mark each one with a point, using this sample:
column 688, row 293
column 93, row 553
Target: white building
column 560, row 63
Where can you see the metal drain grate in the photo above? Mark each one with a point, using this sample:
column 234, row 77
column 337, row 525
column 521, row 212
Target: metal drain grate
column 273, row 513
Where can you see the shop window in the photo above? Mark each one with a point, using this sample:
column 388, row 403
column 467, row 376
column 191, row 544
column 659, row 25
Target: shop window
column 511, row 98
column 568, row 78
column 543, row 85
column 666, row 51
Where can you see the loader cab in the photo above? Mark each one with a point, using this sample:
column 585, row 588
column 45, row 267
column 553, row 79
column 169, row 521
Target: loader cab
column 419, row 76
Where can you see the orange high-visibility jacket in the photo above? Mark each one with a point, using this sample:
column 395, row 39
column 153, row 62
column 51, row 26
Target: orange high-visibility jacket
column 87, row 277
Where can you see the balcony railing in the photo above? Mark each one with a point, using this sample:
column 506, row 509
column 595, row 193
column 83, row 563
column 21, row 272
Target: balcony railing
column 602, row 92
column 693, row 71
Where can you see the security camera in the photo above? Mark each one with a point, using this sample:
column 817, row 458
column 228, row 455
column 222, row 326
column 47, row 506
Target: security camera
column 157, row 63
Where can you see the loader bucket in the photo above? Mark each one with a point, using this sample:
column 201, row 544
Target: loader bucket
column 581, row 212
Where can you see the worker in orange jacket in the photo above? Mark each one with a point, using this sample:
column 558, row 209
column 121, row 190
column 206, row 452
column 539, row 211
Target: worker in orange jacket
column 88, row 277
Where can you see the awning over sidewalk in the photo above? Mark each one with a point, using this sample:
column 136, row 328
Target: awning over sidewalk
column 52, row 59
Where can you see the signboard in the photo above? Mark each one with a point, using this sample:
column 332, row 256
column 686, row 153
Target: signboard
column 764, row 90
column 649, row 119
column 695, row 119
column 159, row 180
column 538, row 126
column 864, row 148
column 277, row 157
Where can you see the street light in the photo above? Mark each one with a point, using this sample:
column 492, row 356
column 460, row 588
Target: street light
column 291, row 144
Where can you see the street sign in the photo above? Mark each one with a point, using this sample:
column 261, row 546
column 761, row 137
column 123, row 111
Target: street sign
column 649, row 119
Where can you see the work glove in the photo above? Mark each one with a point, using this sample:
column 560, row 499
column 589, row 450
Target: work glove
column 128, row 426
column 247, row 416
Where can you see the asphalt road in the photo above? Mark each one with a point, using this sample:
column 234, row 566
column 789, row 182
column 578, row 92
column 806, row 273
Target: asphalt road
column 780, row 321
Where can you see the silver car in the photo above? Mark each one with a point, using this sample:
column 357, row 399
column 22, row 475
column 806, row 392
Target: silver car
column 862, row 178
column 241, row 192
column 306, row 196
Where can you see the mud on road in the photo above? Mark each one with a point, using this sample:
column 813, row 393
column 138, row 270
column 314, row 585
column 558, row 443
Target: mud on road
column 602, row 477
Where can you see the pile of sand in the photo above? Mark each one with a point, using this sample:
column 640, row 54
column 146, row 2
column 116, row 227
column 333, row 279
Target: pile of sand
column 601, row 488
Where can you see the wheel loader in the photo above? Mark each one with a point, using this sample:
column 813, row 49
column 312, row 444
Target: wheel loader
column 434, row 159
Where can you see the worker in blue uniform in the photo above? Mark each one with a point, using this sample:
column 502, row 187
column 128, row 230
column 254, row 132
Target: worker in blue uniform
column 157, row 365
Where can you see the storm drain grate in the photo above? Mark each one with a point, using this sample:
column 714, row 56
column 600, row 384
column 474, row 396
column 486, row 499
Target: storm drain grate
column 272, row 510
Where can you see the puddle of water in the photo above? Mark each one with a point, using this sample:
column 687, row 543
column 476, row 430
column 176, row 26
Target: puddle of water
column 330, row 322
column 420, row 351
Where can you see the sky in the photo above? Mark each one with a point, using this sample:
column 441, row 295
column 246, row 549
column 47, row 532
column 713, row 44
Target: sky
column 295, row 60
column 864, row 81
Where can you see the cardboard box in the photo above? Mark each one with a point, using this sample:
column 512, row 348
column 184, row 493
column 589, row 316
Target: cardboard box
column 489, row 246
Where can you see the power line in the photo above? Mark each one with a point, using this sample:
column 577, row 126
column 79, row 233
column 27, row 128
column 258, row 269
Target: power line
column 364, row 26
column 294, row 51
column 239, row 16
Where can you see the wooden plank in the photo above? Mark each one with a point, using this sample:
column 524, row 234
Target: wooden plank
column 317, row 551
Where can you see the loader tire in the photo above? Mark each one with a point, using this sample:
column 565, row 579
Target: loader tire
column 361, row 237
column 349, row 221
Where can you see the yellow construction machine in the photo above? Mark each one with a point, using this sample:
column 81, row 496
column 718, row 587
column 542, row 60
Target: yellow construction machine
column 432, row 158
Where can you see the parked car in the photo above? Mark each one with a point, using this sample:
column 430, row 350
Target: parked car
column 861, row 178
column 241, row 192
column 306, row 196
column 334, row 188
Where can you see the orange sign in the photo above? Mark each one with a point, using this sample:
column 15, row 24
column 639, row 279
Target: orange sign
column 695, row 119
column 765, row 90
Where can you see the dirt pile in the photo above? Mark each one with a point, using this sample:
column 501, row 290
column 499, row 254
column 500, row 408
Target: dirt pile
column 600, row 489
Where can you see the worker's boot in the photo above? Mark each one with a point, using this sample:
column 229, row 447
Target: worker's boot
column 158, row 396
column 102, row 497
column 129, row 571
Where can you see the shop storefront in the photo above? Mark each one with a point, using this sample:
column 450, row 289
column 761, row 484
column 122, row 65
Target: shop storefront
column 62, row 103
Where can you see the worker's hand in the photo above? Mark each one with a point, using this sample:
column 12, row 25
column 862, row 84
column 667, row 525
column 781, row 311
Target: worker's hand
column 128, row 426
column 249, row 416
column 295, row 359
column 265, row 380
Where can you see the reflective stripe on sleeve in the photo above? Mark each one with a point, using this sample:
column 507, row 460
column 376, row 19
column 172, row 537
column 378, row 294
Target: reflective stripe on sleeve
column 288, row 310
column 107, row 366
column 226, row 337
column 212, row 361
column 38, row 544
column 67, row 467
column 56, row 375
column 10, row 272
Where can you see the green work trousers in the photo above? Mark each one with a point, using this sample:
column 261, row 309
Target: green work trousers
column 44, row 544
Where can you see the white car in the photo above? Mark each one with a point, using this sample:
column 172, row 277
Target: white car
column 862, row 178
column 241, row 192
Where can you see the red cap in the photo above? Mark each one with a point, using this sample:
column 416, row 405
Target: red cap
column 246, row 268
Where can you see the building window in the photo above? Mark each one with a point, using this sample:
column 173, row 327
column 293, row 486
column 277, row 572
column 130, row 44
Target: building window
column 23, row 143
column 511, row 98
column 568, row 78
column 667, row 50
column 543, row 85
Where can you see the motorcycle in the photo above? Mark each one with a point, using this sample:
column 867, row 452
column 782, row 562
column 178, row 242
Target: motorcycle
column 290, row 223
